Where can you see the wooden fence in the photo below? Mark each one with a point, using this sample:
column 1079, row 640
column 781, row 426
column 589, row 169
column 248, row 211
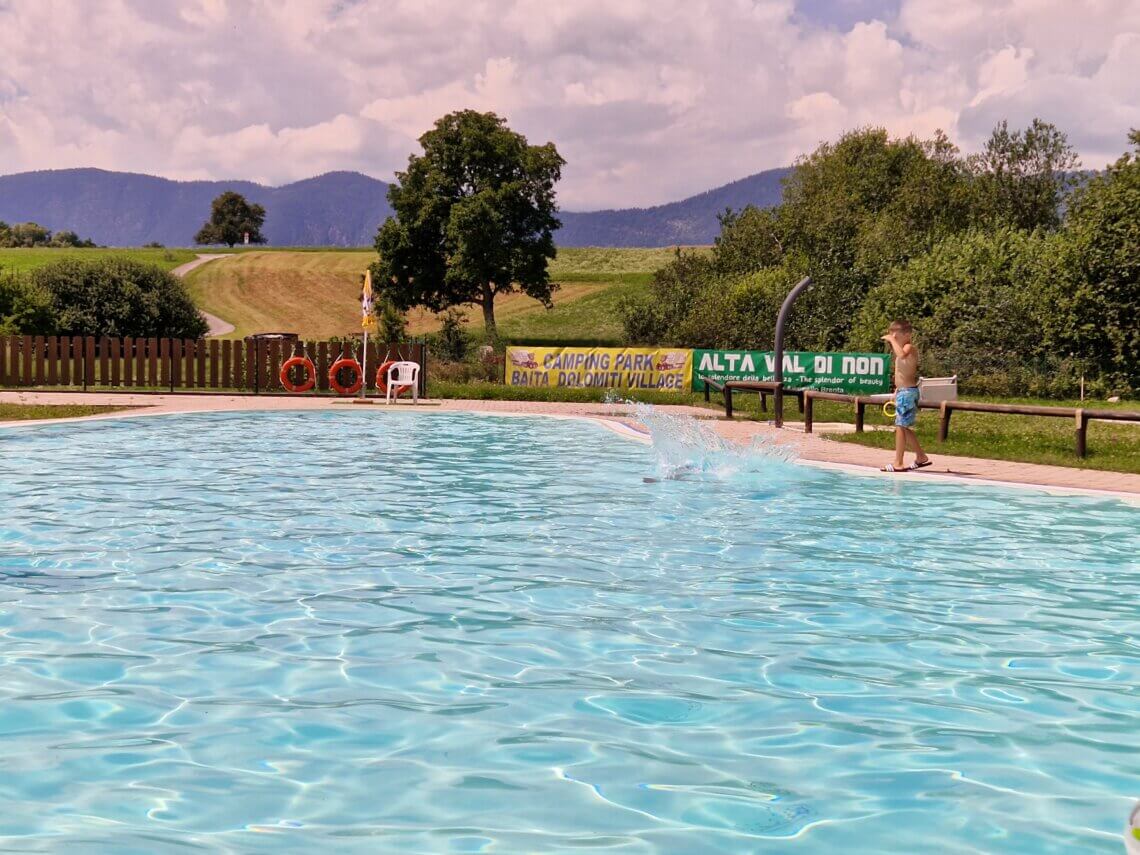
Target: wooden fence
column 165, row 364
column 1080, row 417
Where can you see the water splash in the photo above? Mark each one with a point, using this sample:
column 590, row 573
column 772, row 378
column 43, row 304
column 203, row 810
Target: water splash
column 687, row 447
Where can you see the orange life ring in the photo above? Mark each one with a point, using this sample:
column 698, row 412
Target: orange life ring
column 382, row 379
column 351, row 364
column 310, row 374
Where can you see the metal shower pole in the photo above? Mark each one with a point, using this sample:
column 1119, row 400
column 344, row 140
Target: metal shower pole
column 781, row 319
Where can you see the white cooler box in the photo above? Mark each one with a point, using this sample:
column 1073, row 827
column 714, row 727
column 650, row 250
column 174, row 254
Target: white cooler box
column 935, row 390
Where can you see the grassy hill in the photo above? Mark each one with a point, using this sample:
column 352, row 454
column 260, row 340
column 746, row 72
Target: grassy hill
column 316, row 294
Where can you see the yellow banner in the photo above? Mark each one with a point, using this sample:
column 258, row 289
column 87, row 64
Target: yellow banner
column 600, row 367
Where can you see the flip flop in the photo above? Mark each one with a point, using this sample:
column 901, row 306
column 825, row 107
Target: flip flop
column 922, row 465
column 890, row 467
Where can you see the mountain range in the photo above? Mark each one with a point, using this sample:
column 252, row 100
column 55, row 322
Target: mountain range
column 334, row 209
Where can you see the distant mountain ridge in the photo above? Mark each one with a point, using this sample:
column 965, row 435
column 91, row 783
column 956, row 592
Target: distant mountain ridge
column 334, row 209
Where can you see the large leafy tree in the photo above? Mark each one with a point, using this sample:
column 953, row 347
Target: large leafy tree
column 855, row 208
column 474, row 218
column 1095, row 296
column 232, row 217
column 1021, row 177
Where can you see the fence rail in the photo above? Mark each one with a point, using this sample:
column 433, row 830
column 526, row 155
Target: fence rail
column 1081, row 417
column 75, row 362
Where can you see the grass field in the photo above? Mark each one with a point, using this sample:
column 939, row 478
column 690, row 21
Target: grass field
column 316, row 294
column 29, row 412
column 27, row 259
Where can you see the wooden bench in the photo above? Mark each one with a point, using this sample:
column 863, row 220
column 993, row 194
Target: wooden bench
column 764, row 387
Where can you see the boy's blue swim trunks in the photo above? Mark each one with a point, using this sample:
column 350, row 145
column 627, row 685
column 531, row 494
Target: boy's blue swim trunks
column 906, row 406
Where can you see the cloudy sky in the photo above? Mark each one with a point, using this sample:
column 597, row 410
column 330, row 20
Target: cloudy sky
column 648, row 100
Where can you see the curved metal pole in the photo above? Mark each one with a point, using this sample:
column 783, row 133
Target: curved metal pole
column 781, row 319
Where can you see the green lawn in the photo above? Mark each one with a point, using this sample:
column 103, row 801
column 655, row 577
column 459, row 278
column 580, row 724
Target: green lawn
column 27, row 259
column 598, row 264
column 27, row 412
column 591, row 319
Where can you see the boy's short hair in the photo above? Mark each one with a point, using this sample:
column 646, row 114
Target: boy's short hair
column 901, row 325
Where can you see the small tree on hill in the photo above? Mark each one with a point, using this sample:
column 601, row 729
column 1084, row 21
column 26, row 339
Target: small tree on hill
column 474, row 218
column 231, row 219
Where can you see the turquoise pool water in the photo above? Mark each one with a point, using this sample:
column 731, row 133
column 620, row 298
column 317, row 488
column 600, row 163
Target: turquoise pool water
column 260, row 632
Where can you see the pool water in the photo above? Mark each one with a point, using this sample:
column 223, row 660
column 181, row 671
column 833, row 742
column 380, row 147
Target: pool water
column 377, row 632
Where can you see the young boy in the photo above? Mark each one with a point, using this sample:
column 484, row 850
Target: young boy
column 906, row 397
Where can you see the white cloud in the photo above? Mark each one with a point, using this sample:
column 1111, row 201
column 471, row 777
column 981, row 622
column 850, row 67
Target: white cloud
column 648, row 100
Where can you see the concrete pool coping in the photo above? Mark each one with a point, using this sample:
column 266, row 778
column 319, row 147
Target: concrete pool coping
column 812, row 449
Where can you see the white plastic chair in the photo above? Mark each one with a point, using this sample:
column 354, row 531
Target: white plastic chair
column 403, row 374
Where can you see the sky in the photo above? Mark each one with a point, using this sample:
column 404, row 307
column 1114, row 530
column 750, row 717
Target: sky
column 648, row 100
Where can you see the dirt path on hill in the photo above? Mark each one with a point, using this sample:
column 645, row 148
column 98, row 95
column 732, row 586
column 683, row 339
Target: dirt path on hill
column 217, row 325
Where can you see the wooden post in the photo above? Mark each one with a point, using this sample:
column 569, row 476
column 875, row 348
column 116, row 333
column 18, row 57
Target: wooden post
column 52, row 361
column 128, row 361
column 214, row 363
column 38, row 344
column 273, row 365
column 140, row 361
column 707, row 398
column 1082, row 433
column 164, row 360
column 175, row 363
column 227, row 361
column 189, row 353
column 727, row 401
column 860, row 414
column 89, row 361
column 26, row 367
column 237, row 375
column 152, row 362
column 251, row 365
column 806, row 406
column 116, row 345
column 65, row 360
column 201, row 348
column 944, row 413
column 104, row 361
column 763, row 402
column 800, row 400
column 14, row 344
column 323, row 366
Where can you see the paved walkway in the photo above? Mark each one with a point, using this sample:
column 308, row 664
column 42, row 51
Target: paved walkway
column 812, row 449
column 217, row 325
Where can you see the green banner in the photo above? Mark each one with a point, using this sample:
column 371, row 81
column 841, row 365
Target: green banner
column 849, row 373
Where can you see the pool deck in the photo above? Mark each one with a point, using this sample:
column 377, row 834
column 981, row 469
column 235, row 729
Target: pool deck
column 812, row 449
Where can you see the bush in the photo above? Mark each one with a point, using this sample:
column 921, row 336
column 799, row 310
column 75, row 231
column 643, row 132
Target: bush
column 974, row 301
column 24, row 307
column 393, row 326
column 672, row 293
column 452, row 341
column 117, row 297
column 466, row 372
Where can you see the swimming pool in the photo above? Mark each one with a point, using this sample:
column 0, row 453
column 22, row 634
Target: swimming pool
column 257, row 632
